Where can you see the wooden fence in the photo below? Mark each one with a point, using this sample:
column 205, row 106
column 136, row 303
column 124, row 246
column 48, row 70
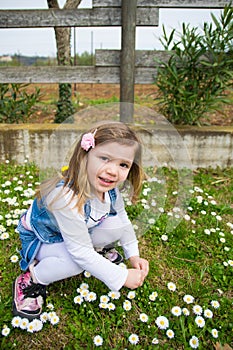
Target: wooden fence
column 125, row 66
column 102, row 13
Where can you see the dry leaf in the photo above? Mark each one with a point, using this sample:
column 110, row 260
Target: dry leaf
column 225, row 347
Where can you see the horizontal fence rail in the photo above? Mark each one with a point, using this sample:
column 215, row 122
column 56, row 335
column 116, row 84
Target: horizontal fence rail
column 85, row 74
column 166, row 3
column 106, row 70
column 74, row 18
column 143, row 58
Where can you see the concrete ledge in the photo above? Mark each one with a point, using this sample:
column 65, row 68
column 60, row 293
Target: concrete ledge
column 186, row 146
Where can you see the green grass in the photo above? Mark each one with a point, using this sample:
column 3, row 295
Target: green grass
column 196, row 255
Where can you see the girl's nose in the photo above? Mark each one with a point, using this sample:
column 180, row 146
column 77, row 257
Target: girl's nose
column 111, row 168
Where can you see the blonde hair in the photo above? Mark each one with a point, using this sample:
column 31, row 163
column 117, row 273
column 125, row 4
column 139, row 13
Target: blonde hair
column 75, row 177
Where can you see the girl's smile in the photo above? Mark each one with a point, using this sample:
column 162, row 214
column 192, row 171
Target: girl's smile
column 108, row 165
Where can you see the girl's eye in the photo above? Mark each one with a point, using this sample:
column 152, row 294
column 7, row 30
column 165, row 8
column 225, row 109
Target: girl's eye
column 124, row 165
column 105, row 159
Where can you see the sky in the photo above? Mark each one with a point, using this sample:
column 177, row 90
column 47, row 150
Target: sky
column 41, row 41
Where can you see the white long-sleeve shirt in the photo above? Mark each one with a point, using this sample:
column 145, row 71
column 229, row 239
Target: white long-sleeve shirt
column 81, row 244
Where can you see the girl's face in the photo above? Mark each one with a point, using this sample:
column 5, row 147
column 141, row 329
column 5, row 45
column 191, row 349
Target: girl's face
column 108, row 165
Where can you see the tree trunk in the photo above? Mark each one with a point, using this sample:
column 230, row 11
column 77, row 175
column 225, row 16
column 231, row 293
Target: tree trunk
column 65, row 108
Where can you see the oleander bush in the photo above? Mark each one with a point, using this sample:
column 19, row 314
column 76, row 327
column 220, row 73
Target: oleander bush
column 195, row 79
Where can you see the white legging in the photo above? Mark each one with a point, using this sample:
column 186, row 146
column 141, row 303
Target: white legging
column 55, row 263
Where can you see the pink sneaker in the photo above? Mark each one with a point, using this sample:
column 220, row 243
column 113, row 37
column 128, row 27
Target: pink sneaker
column 112, row 255
column 28, row 297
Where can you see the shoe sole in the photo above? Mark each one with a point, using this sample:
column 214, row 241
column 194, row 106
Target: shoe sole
column 30, row 316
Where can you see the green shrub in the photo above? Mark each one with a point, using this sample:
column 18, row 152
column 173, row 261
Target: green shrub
column 194, row 80
column 16, row 104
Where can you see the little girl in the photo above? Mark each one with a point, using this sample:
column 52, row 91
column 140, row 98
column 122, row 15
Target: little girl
column 77, row 217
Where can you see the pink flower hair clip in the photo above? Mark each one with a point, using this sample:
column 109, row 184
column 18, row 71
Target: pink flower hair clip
column 88, row 140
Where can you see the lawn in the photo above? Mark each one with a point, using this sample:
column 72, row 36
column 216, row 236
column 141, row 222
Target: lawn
column 185, row 227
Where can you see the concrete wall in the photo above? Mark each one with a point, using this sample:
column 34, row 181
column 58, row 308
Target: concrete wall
column 192, row 147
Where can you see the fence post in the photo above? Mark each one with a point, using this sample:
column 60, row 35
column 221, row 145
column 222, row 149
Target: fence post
column 127, row 68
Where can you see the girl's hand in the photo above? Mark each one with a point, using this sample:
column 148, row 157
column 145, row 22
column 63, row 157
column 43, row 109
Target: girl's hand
column 140, row 264
column 135, row 278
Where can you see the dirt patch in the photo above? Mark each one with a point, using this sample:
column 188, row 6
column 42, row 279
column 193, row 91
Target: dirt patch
column 145, row 95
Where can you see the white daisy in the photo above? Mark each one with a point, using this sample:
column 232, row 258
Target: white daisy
column 229, row 224
column 143, row 317
column 84, row 293
column 127, row 306
column 14, row 258
column 78, row 299
column 44, row 317
column 171, row 286
column 87, row 274
column 208, row 313
column 24, row 323
column 176, row 311
column 185, row 311
column 104, row 299
column 51, row 314
column 50, row 306
column 4, row 235
column 215, row 304
column 5, row 331
column 155, row 341
column 133, row 339
column 103, row 305
column 164, row 238
column 31, row 327
column 153, row 296
column 131, row 294
column 16, row 321
column 200, row 321
column 91, row 296
column 189, row 299
column 98, row 340
column 54, row 320
column 214, row 333
column 194, row 342
column 111, row 306
column 197, row 309
column 170, row 334
column 38, row 325
column 162, row 322
column 207, row 231
column 84, row 286
column 114, row 295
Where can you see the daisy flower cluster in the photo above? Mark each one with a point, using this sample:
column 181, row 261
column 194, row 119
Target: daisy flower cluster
column 23, row 193
column 34, row 325
column 195, row 315
column 171, row 313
